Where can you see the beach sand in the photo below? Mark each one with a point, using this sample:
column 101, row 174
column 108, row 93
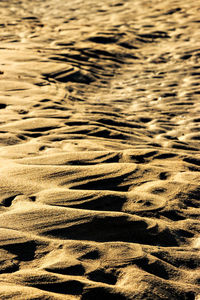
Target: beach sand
column 99, row 149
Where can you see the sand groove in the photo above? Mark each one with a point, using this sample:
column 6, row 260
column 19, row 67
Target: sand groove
column 99, row 150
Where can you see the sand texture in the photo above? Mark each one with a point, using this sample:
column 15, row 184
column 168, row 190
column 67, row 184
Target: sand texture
column 100, row 149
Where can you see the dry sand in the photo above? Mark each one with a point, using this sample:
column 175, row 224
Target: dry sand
column 99, row 149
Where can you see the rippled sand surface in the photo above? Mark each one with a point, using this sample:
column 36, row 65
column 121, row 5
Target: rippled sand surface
column 99, row 149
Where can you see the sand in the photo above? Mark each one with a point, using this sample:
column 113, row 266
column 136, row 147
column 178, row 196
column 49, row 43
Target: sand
column 99, row 149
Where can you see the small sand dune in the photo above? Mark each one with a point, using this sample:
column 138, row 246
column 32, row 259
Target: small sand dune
column 99, row 150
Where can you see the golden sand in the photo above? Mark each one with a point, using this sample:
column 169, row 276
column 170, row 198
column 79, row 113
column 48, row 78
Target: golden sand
column 99, row 149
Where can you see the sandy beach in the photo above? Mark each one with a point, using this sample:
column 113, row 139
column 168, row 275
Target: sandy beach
column 100, row 150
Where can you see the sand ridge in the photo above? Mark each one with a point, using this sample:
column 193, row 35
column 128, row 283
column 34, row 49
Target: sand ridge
column 99, row 149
